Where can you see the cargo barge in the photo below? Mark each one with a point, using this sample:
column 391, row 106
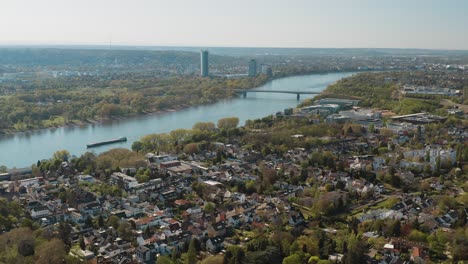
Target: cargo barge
column 97, row 144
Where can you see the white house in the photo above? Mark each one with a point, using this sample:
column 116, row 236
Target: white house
column 39, row 212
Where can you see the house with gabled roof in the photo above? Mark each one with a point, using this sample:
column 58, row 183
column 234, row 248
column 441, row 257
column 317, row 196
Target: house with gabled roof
column 214, row 244
column 144, row 254
column 216, row 229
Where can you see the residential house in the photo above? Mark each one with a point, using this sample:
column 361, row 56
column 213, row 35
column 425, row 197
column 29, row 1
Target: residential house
column 123, row 180
column 235, row 220
column 168, row 196
column 214, row 244
column 39, row 212
column 144, row 255
column 217, row 229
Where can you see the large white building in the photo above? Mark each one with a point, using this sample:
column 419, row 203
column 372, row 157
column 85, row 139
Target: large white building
column 430, row 90
column 124, row 180
column 39, row 212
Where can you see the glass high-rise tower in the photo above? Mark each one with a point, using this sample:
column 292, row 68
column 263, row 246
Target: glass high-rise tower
column 252, row 68
column 204, row 63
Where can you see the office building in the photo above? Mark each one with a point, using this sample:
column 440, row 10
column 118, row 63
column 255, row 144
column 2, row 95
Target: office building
column 204, row 63
column 252, row 68
column 265, row 69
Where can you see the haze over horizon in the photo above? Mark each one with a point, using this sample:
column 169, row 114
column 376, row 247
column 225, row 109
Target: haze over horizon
column 420, row 24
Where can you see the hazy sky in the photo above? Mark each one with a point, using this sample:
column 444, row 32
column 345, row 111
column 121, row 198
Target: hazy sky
column 434, row 24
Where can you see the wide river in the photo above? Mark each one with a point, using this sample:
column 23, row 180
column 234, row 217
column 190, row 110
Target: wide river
column 24, row 149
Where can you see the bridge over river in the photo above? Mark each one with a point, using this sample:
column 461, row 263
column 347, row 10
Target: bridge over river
column 298, row 93
column 23, row 149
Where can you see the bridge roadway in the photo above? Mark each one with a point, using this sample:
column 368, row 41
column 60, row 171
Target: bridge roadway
column 298, row 93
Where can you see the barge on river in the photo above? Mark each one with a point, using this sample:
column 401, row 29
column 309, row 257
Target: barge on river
column 112, row 141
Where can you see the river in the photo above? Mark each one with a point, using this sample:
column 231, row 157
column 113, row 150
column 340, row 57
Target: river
column 23, row 149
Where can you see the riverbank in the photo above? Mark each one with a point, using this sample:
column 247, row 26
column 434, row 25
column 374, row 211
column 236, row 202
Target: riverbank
column 45, row 107
column 98, row 121
column 76, row 122
column 43, row 144
column 59, row 121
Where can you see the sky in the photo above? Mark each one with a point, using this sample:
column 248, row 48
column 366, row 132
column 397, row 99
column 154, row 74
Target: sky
column 428, row 24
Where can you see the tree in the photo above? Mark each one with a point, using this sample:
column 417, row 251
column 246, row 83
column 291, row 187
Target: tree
column 234, row 255
column 394, row 229
column 141, row 178
column 163, row 260
column 101, row 221
column 353, row 225
column 114, row 221
column 269, row 176
column 26, row 247
column 438, row 164
column 416, row 225
column 204, row 126
column 125, row 230
column 89, row 221
column 293, row 259
column 157, row 142
column 325, row 244
column 460, row 244
column 119, row 158
column 228, row 123
column 52, row 251
column 270, row 255
column 86, row 162
column 198, row 188
column 65, row 232
column 180, row 135
column 282, row 240
column 217, row 259
column 82, row 242
column 62, row 155
column 191, row 253
column 175, row 255
column 462, row 218
column 191, row 148
column 395, row 181
column 137, row 146
column 147, row 231
column 416, row 235
column 29, row 223
column 356, row 250
column 209, row 208
column 386, row 132
column 308, row 245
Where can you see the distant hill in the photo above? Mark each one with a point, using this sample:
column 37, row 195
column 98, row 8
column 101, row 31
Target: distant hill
column 71, row 56
column 239, row 52
column 233, row 51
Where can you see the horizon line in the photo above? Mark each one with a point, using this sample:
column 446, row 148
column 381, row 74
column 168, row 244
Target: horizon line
column 109, row 47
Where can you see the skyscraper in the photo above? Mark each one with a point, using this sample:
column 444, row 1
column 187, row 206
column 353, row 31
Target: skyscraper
column 204, row 63
column 252, row 68
column 265, row 69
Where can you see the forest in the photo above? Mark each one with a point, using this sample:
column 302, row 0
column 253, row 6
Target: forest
column 54, row 104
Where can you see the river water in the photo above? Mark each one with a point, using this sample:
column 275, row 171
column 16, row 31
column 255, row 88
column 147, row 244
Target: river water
column 23, row 149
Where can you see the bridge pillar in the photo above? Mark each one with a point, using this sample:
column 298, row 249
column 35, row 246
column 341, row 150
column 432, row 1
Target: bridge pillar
column 298, row 96
column 244, row 94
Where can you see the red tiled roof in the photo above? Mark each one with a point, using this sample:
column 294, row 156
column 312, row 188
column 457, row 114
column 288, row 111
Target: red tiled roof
column 144, row 221
column 416, row 252
column 181, row 202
